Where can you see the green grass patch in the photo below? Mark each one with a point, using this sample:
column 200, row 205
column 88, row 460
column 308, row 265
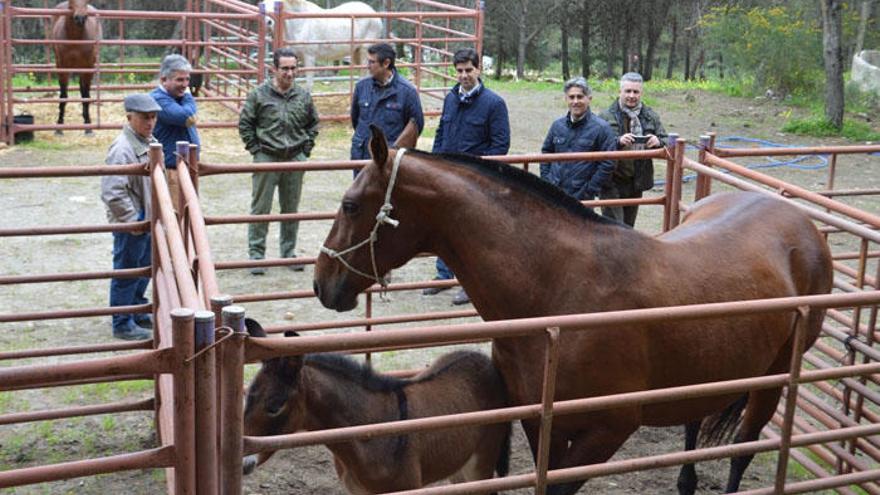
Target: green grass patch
column 819, row 127
column 41, row 145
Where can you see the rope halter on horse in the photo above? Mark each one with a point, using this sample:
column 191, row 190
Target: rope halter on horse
column 382, row 217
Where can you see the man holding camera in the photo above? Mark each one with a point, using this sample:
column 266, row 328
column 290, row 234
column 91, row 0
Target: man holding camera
column 638, row 127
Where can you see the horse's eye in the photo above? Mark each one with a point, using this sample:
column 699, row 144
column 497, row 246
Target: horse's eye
column 275, row 405
column 350, row 207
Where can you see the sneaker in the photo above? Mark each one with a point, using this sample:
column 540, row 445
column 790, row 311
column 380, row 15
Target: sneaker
column 431, row 291
column 461, row 298
column 132, row 331
column 144, row 321
column 258, row 270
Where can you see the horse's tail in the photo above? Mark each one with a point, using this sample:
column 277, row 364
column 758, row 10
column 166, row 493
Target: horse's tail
column 719, row 428
column 502, row 465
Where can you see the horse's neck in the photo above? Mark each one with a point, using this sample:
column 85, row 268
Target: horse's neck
column 500, row 241
column 302, row 6
column 334, row 401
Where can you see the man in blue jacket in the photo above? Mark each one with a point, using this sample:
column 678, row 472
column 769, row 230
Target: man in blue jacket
column 177, row 119
column 579, row 131
column 474, row 121
column 385, row 99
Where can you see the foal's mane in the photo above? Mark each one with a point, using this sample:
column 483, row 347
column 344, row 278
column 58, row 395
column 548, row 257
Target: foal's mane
column 522, row 180
column 353, row 371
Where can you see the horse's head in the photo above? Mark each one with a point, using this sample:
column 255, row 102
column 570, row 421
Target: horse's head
column 80, row 11
column 267, row 8
column 368, row 237
column 274, row 405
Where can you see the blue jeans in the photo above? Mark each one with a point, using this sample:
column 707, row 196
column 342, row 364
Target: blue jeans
column 129, row 251
column 443, row 271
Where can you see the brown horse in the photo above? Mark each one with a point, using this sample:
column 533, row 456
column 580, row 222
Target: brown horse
column 521, row 248
column 325, row 391
column 79, row 23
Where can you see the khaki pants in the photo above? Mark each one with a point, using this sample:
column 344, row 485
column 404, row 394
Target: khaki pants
column 289, row 186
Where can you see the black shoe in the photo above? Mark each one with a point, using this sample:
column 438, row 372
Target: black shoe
column 144, row 321
column 461, row 298
column 296, row 268
column 431, row 291
column 258, row 270
column 131, row 331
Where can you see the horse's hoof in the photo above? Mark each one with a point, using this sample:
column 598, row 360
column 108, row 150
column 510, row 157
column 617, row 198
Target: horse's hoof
column 59, row 132
column 89, row 133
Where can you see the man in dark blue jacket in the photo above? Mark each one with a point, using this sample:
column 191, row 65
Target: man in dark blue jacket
column 579, row 131
column 474, row 121
column 385, row 99
column 177, row 119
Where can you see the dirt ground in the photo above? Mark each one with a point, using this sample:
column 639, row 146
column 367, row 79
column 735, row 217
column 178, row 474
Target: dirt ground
column 310, row 470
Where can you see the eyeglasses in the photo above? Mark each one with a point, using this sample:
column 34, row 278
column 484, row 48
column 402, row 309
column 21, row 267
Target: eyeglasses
column 290, row 68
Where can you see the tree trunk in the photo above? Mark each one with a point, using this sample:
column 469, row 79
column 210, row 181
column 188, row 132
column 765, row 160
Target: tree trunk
column 566, row 70
column 609, row 56
column 864, row 16
column 687, row 57
column 720, row 65
column 671, row 63
column 833, row 55
column 522, row 41
column 585, row 41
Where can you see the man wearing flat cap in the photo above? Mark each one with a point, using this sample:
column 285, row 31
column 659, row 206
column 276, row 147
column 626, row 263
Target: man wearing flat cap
column 127, row 199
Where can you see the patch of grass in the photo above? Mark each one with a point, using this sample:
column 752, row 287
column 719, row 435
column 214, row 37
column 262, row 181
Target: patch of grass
column 819, row 127
column 41, row 145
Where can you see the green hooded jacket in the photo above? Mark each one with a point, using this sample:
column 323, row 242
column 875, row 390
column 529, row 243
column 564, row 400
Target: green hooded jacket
column 278, row 124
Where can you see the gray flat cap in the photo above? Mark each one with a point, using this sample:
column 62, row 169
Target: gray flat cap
column 141, row 102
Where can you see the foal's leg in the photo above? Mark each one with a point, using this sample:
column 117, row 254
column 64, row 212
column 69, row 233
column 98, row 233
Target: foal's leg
column 63, row 80
column 85, row 85
column 687, row 477
column 759, row 410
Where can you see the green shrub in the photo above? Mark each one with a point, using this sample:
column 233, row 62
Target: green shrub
column 819, row 127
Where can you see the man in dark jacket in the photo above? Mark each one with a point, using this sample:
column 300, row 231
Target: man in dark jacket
column 637, row 127
column 474, row 121
column 385, row 99
column 579, row 131
column 278, row 123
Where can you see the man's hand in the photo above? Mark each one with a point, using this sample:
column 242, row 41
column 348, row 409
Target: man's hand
column 627, row 139
column 653, row 141
column 191, row 121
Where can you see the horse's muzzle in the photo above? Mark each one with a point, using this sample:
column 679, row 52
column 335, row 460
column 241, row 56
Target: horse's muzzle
column 80, row 20
column 248, row 464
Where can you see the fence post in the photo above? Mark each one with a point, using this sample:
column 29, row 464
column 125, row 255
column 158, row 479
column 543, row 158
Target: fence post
column 217, row 305
column 232, row 383
column 184, row 402
column 704, row 182
column 6, row 108
column 206, row 405
column 551, row 360
column 667, row 186
column 677, row 170
column 801, row 321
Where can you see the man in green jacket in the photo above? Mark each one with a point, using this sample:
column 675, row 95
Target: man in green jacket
column 279, row 123
column 637, row 127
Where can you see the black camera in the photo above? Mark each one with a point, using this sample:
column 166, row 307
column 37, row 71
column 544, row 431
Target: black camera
column 640, row 139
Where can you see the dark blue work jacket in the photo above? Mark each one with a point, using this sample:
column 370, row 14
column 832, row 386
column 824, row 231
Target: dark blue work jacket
column 477, row 124
column 171, row 123
column 389, row 107
column 583, row 180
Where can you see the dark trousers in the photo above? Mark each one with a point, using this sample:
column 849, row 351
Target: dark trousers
column 443, row 271
column 289, row 186
column 129, row 251
column 622, row 190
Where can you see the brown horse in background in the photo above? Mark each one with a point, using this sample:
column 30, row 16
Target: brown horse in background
column 79, row 23
column 522, row 248
column 323, row 391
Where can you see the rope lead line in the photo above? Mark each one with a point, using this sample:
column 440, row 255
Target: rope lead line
column 384, row 216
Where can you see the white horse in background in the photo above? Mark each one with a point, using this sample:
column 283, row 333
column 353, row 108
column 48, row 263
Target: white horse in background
column 336, row 29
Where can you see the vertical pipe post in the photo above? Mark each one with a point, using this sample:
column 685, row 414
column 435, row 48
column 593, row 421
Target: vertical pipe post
column 261, row 45
column 480, row 21
column 217, row 305
column 418, row 53
column 677, row 171
column 368, row 314
column 671, row 139
column 801, row 320
column 206, row 406
column 155, row 160
column 551, row 360
column 5, row 76
column 278, row 36
column 184, row 402
column 232, row 383
column 703, row 181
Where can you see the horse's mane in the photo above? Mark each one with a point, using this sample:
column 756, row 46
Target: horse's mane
column 360, row 373
column 525, row 181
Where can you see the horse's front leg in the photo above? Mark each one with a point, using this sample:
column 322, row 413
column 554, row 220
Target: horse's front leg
column 687, row 476
column 63, row 80
column 592, row 446
column 85, row 85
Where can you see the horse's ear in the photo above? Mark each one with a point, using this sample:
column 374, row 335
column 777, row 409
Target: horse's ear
column 409, row 137
column 286, row 368
column 378, row 145
column 254, row 329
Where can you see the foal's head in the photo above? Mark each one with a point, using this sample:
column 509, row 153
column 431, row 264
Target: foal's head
column 274, row 405
column 343, row 270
